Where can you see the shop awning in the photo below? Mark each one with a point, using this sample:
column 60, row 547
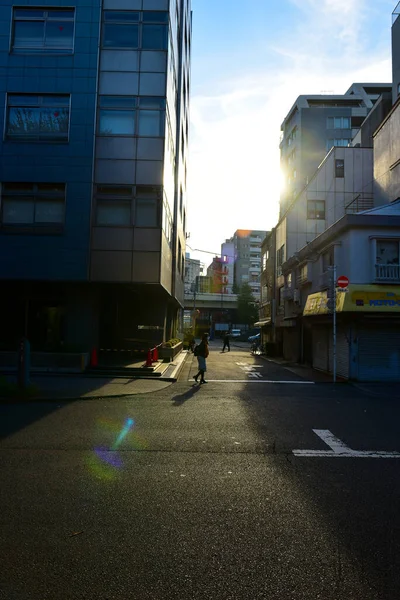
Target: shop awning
column 357, row 298
column 262, row 323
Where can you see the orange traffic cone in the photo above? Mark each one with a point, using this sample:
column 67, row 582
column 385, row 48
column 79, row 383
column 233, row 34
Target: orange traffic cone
column 155, row 355
column 93, row 358
column 149, row 361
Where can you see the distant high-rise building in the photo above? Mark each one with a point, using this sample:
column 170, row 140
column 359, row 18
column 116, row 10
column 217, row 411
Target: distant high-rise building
column 246, row 246
column 192, row 271
column 228, row 255
column 316, row 123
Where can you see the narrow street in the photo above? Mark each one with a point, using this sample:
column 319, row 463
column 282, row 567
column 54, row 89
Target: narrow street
column 258, row 485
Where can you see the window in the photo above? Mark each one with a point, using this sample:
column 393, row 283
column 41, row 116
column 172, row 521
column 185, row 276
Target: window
column 43, row 30
column 117, row 115
column 147, row 207
column 37, row 118
column 167, row 222
column 316, row 209
column 339, row 167
column 151, row 117
column 337, row 142
column 134, row 29
column 339, row 123
column 129, row 115
column 280, row 259
column 32, row 204
column 113, row 205
column 387, row 252
column 121, row 29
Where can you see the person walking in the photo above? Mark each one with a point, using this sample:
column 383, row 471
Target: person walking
column 202, row 351
column 226, row 342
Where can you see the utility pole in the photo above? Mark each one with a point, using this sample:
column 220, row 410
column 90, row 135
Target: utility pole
column 332, row 293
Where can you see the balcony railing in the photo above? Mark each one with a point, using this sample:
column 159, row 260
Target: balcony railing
column 387, row 272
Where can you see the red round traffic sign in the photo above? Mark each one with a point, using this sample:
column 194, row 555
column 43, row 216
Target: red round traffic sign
column 343, row 281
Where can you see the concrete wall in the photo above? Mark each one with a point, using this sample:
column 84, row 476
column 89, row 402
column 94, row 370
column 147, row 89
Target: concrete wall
column 387, row 158
column 396, row 59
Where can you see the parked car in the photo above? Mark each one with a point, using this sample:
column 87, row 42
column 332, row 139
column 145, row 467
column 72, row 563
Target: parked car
column 235, row 333
column 254, row 338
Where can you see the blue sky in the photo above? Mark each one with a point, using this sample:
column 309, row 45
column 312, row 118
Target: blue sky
column 250, row 61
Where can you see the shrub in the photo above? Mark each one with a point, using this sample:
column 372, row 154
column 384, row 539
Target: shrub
column 172, row 342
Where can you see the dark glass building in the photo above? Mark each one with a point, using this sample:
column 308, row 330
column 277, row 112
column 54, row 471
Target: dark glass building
column 94, row 103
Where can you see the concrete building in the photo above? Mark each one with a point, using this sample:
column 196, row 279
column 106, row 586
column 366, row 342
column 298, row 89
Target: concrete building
column 366, row 248
column 193, row 269
column 228, row 255
column 217, row 271
column 316, row 123
column 247, row 258
column 342, row 185
column 94, row 99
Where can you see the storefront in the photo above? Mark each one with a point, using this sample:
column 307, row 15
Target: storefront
column 368, row 332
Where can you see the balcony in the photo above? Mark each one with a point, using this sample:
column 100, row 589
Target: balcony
column 387, row 273
column 288, row 293
column 305, row 276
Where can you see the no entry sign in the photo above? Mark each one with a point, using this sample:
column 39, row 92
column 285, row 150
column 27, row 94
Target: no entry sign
column 343, row 281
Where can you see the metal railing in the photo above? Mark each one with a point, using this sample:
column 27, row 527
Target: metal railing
column 387, row 272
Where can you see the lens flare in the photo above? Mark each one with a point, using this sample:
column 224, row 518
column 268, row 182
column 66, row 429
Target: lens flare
column 125, row 430
column 105, row 462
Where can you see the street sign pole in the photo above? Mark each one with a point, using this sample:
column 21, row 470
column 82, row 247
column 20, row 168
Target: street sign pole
column 332, row 293
column 334, row 323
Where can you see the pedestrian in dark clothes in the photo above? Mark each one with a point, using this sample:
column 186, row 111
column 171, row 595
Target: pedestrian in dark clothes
column 202, row 351
column 226, row 342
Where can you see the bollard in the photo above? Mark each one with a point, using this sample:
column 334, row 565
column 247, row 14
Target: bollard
column 155, row 354
column 93, row 358
column 149, row 362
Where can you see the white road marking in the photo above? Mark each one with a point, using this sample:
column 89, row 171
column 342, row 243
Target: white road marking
column 340, row 450
column 331, row 440
column 255, row 375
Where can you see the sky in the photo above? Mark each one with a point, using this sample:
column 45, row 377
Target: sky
column 250, row 61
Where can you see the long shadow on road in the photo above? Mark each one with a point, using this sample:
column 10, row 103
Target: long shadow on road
column 182, row 398
column 14, row 417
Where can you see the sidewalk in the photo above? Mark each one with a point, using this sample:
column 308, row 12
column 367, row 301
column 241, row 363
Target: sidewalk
column 74, row 387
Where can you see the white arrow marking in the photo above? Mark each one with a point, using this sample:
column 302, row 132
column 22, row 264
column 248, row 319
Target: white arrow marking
column 255, row 375
column 340, row 450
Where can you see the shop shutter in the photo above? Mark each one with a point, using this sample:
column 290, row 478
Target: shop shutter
column 342, row 353
column 379, row 354
column 320, row 337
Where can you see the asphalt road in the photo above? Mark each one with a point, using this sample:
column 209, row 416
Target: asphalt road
column 202, row 492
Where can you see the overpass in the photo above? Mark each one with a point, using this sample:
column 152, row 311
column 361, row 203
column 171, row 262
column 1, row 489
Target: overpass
column 209, row 301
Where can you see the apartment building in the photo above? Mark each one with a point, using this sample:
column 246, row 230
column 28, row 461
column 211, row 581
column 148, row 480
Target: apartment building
column 193, row 269
column 247, row 258
column 94, row 98
column 217, row 271
column 316, row 123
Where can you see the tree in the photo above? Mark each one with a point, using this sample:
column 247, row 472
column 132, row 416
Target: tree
column 247, row 309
